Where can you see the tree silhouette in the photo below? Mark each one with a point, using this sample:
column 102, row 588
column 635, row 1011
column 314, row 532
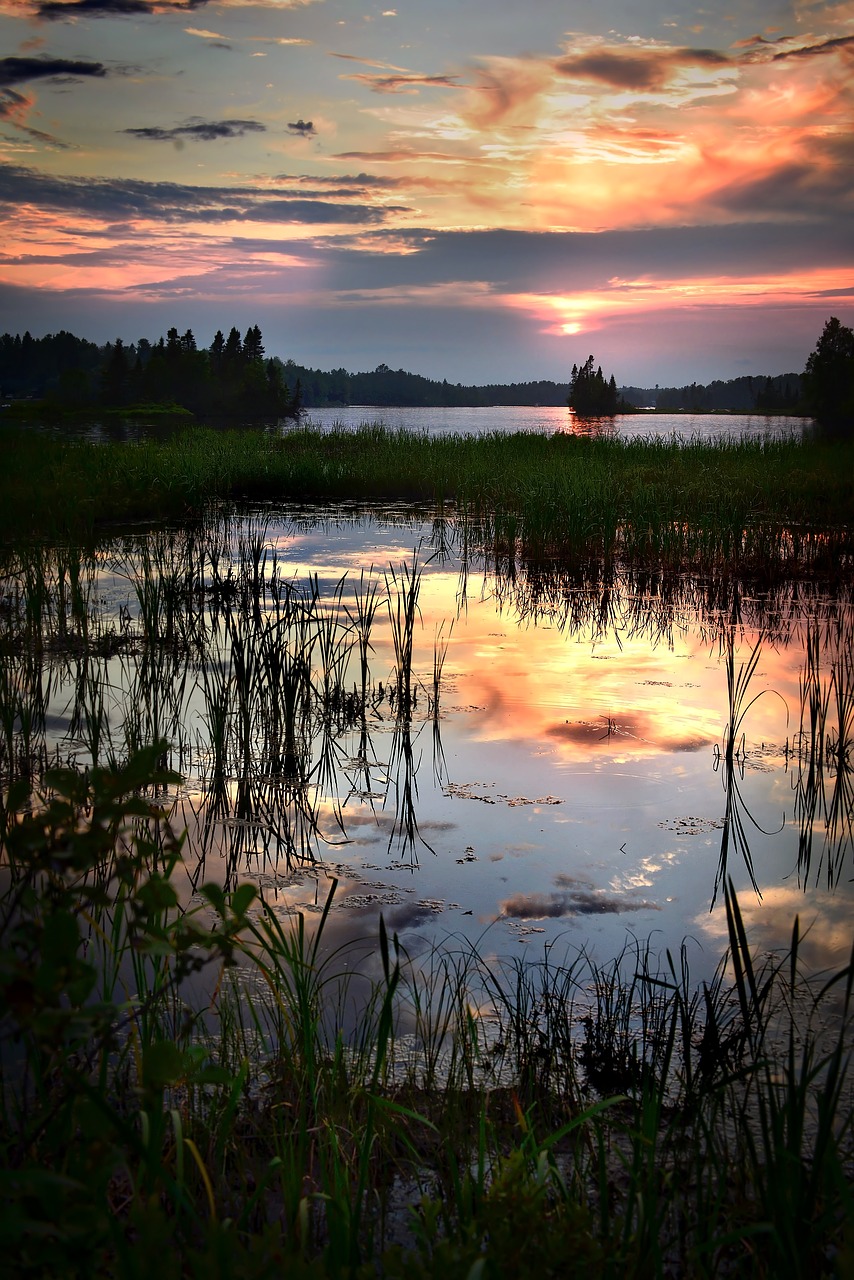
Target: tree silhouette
column 590, row 395
column 829, row 376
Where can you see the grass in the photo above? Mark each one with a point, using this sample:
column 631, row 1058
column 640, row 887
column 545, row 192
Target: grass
column 779, row 507
column 197, row 1085
column 554, row 1119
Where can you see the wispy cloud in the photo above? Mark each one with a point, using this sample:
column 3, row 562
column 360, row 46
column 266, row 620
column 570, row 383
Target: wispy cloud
column 817, row 50
column 16, row 109
column 408, row 83
column 199, row 130
column 22, row 70
column 113, row 200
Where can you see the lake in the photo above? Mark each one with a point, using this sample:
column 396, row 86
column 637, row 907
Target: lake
column 551, row 418
column 557, row 774
column 501, row 418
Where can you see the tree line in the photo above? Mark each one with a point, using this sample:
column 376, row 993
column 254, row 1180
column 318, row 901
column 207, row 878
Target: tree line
column 230, row 378
column 386, row 388
column 747, row 394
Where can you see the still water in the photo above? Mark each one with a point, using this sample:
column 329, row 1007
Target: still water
column 559, row 775
column 550, row 418
column 501, row 418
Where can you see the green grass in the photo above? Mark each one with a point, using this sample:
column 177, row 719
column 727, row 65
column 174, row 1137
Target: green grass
column 778, row 507
column 201, row 1089
column 200, row 1092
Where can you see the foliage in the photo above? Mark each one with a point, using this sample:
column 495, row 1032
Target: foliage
column 385, row 387
column 88, row 907
column 231, row 379
column 829, row 376
column 748, row 394
column 59, row 363
column 590, row 395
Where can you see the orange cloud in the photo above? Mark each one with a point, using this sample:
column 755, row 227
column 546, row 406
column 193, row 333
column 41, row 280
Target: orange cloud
column 587, row 311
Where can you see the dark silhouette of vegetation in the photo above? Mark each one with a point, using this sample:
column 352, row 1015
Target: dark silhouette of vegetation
column 59, row 363
column 591, row 396
column 233, row 378
column 229, row 380
column 386, row 387
column 829, row 376
column 779, row 395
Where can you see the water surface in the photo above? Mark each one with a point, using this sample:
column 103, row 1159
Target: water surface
column 565, row 783
column 550, row 418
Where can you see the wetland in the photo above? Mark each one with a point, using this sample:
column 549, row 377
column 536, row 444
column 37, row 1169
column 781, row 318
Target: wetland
column 414, row 846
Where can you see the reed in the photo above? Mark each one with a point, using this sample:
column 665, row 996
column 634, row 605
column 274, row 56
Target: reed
column 267, row 1120
column 773, row 506
column 206, row 1083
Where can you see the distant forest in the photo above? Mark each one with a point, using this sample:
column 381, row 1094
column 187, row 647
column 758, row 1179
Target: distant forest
column 395, row 388
column 232, row 378
column 783, row 394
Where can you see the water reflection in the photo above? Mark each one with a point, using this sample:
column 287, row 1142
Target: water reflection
column 578, row 747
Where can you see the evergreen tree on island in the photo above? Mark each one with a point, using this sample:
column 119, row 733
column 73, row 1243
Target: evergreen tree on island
column 590, row 396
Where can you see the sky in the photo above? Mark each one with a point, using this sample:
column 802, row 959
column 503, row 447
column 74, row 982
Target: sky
column 476, row 190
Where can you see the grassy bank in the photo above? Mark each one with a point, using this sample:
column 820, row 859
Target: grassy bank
column 743, row 504
column 180, row 1096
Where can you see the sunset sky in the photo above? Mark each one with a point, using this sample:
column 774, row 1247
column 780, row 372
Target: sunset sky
column 469, row 189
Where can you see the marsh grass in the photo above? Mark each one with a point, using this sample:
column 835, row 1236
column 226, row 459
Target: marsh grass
column 209, row 1087
column 282, row 676
column 560, row 1118
column 823, row 754
column 773, row 507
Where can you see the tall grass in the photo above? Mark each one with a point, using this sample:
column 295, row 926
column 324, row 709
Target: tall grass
column 269, row 689
column 204, row 1085
column 286, row 1114
column 777, row 507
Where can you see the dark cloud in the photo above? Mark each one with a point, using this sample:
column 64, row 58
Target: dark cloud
column 403, row 83
column 119, row 200
column 318, row 211
column 392, row 157
column 302, row 128
column 408, row 916
column 642, row 69
column 358, row 180
column 57, row 10
column 200, row 130
column 22, row 70
column 549, row 262
column 572, row 899
column 817, row 50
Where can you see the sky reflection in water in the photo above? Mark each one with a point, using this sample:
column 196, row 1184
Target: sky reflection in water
column 573, row 789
